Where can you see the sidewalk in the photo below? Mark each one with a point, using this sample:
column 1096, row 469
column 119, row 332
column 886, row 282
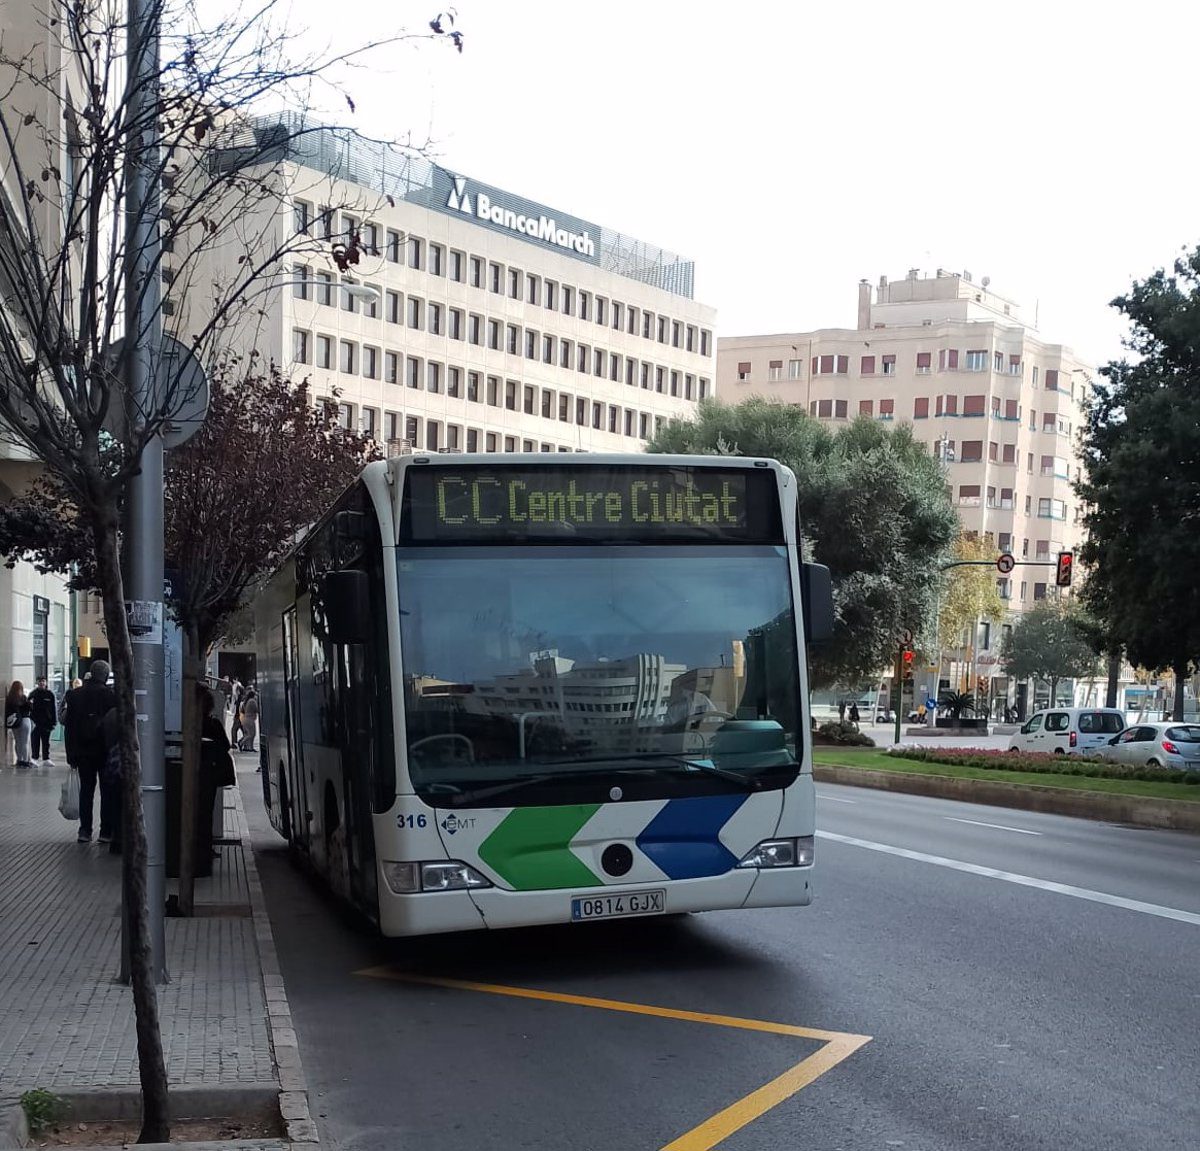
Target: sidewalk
column 66, row 1024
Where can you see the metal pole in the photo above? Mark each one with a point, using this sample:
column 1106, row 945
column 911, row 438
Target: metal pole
column 899, row 672
column 143, row 575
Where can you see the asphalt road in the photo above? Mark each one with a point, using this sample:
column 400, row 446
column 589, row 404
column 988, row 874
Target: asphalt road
column 1004, row 1012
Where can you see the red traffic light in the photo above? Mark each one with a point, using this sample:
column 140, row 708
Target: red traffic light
column 908, row 657
column 1066, row 564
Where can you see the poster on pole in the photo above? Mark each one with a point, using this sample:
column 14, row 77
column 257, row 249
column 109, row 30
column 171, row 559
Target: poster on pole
column 144, row 618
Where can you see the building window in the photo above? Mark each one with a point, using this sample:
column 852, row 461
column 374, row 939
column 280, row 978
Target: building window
column 532, row 288
column 391, row 366
column 458, row 266
column 840, row 409
column 325, row 289
column 585, row 301
column 345, row 416
column 300, row 284
column 494, row 335
column 582, row 358
column 1039, row 591
column 547, row 404
column 824, row 408
column 392, row 249
column 473, row 387
column 743, row 371
column 490, row 441
column 971, row 452
column 435, row 318
column 370, row 362
column 968, row 495
column 371, row 304
column 921, row 408
column 1052, row 379
column 647, row 324
column 472, row 439
column 866, row 407
column 568, row 300
column 551, row 297
column 948, row 360
column 973, row 405
column 325, row 352
column 564, row 408
column 794, row 369
column 414, row 252
column 547, row 349
column 476, row 271
column 393, row 307
column 614, row 367
column 889, row 365
column 618, row 315
column 600, row 310
column 775, row 371
column 367, row 422
column 676, row 334
column 493, row 391
column 496, row 279
column 662, row 329
column 924, row 360
column 300, row 349
column 1014, row 365
column 977, row 361
column 887, row 409
column 998, row 362
column 510, row 395
column 456, row 324
column 412, row 372
column 514, row 284
column 349, row 301
column 705, row 341
column 867, row 366
column 437, row 257
column 598, row 362
column 370, row 239
column 565, row 354
column 325, row 223
column 433, row 377
column 346, row 357
column 301, row 216
column 414, row 312
column 514, row 340
column 510, row 443
column 432, row 428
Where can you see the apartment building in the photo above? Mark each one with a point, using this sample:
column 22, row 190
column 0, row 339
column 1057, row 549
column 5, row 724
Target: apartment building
column 35, row 621
column 474, row 319
column 995, row 402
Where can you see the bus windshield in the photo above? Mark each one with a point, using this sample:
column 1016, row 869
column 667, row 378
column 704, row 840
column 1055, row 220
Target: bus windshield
column 647, row 667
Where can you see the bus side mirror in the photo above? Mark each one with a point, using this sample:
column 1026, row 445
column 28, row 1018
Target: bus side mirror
column 346, row 598
column 816, row 597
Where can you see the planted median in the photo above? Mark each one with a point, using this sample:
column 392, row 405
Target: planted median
column 1068, row 773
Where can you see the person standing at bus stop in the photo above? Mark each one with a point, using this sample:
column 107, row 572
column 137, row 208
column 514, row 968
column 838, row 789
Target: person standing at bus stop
column 83, row 710
column 43, row 710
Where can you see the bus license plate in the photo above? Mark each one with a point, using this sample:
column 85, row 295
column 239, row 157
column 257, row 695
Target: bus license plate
column 613, row 906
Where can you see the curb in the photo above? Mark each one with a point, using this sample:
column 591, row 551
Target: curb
column 1168, row 814
column 14, row 1128
column 293, row 1087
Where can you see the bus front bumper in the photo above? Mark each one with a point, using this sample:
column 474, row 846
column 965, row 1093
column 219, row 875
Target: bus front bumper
column 435, row 912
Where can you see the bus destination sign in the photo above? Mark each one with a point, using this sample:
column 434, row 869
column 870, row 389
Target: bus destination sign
column 491, row 504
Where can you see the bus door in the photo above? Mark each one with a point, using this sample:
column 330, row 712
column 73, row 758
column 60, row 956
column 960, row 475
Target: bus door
column 355, row 694
column 296, row 801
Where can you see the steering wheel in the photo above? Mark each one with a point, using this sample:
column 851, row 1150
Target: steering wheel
column 424, row 745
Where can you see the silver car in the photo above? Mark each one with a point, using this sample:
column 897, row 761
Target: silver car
column 1156, row 745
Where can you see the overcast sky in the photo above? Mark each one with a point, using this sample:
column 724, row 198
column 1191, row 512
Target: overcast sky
column 794, row 148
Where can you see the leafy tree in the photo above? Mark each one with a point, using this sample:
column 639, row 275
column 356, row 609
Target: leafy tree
column 1141, row 487
column 86, row 144
column 968, row 594
column 873, row 508
column 264, row 465
column 1050, row 642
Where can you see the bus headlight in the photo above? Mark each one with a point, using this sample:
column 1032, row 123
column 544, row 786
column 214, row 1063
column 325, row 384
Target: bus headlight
column 780, row 853
column 438, row 875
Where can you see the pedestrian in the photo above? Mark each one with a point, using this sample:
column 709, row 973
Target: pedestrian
column 216, row 759
column 854, row 713
column 83, row 710
column 841, row 711
column 249, row 720
column 16, row 720
column 43, row 711
column 236, row 729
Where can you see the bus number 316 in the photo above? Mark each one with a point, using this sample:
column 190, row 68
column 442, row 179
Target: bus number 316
column 403, row 820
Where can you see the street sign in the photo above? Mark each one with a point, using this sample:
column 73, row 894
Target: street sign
column 1005, row 563
column 180, row 387
column 905, row 637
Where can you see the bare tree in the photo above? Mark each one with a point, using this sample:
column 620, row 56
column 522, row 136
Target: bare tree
column 75, row 272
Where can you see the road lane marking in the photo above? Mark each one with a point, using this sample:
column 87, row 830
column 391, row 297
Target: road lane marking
column 836, row 1046
column 1023, row 880
column 997, row 826
column 833, row 798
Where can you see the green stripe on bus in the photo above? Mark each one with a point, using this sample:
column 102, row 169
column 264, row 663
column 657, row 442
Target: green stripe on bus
column 531, row 848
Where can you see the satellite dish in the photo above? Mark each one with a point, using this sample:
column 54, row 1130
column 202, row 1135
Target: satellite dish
column 180, row 388
column 987, row 280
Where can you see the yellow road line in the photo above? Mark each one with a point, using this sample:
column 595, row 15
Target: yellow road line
column 837, row 1045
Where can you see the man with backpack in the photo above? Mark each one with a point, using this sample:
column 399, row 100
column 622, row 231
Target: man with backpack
column 43, row 710
column 83, row 710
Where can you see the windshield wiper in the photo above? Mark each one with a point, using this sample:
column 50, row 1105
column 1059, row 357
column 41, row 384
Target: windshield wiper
column 749, row 782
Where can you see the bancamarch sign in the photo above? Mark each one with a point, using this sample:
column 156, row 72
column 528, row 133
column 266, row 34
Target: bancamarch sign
column 503, row 211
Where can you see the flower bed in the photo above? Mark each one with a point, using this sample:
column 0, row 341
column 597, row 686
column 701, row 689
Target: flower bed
column 1043, row 763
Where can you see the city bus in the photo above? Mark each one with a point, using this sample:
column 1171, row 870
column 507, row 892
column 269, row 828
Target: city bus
column 529, row 689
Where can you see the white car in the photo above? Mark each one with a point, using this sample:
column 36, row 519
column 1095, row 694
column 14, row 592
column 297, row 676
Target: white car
column 1156, row 745
column 1068, row 730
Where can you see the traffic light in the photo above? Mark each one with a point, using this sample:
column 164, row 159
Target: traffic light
column 908, row 663
column 1066, row 563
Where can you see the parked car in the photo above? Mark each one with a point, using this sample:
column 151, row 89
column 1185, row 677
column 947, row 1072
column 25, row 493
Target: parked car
column 1068, row 730
column 1156, row 745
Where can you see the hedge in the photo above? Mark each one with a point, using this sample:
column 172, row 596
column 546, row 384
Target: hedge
column 1037, row 761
